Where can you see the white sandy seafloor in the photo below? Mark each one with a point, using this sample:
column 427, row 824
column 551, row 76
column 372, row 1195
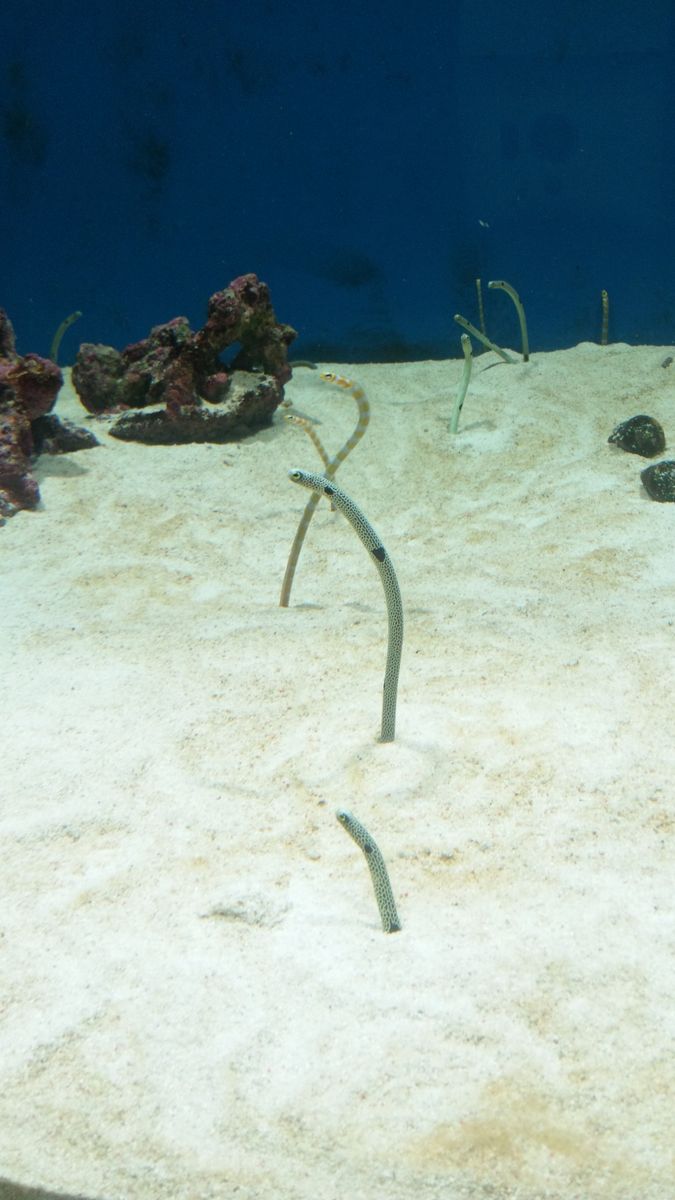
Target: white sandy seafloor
column 196, row 997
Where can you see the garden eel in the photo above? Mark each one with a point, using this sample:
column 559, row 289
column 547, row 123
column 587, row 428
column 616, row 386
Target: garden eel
column 377, row 868
column 482, row 338
column 481, row 310
column 306, row 424
column 604, row 332
column 463, row 383
column 323, row 486
column 56, row 340
column 331, row 467
column 511, row 291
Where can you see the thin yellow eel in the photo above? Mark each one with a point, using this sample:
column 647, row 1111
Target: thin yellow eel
column 358, row 394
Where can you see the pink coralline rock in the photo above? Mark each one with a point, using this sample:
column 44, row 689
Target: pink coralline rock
column 204, row 398
column 29, row 386
column 18, row 488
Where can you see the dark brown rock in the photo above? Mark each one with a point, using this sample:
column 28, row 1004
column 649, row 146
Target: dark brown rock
column 639, row 435
column 659, row 480
column 56, row 435
column 249, row 404
column 19, row 1191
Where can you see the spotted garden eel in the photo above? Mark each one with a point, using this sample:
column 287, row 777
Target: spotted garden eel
column 323, row 486
column 377, row 868
column 331, row 467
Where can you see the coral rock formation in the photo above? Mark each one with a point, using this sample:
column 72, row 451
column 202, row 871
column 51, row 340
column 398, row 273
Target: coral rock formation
column 28, row 388
column 204, row 398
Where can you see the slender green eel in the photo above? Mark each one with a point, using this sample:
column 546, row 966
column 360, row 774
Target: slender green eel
column 377, row 868
column 331, row 467
column 604, row 332
column 463, row 383
column 321, row 485
column 511, row 291
column 482, row 338
column 56, row 340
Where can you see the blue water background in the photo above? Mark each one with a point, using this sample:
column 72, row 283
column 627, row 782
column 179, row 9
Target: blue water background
column 368, row 160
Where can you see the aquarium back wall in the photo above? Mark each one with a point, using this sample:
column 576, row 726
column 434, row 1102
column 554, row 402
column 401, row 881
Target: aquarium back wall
column 369, row 161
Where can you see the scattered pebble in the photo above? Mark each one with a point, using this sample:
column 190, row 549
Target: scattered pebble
column 639, row 435
column 659, row 480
